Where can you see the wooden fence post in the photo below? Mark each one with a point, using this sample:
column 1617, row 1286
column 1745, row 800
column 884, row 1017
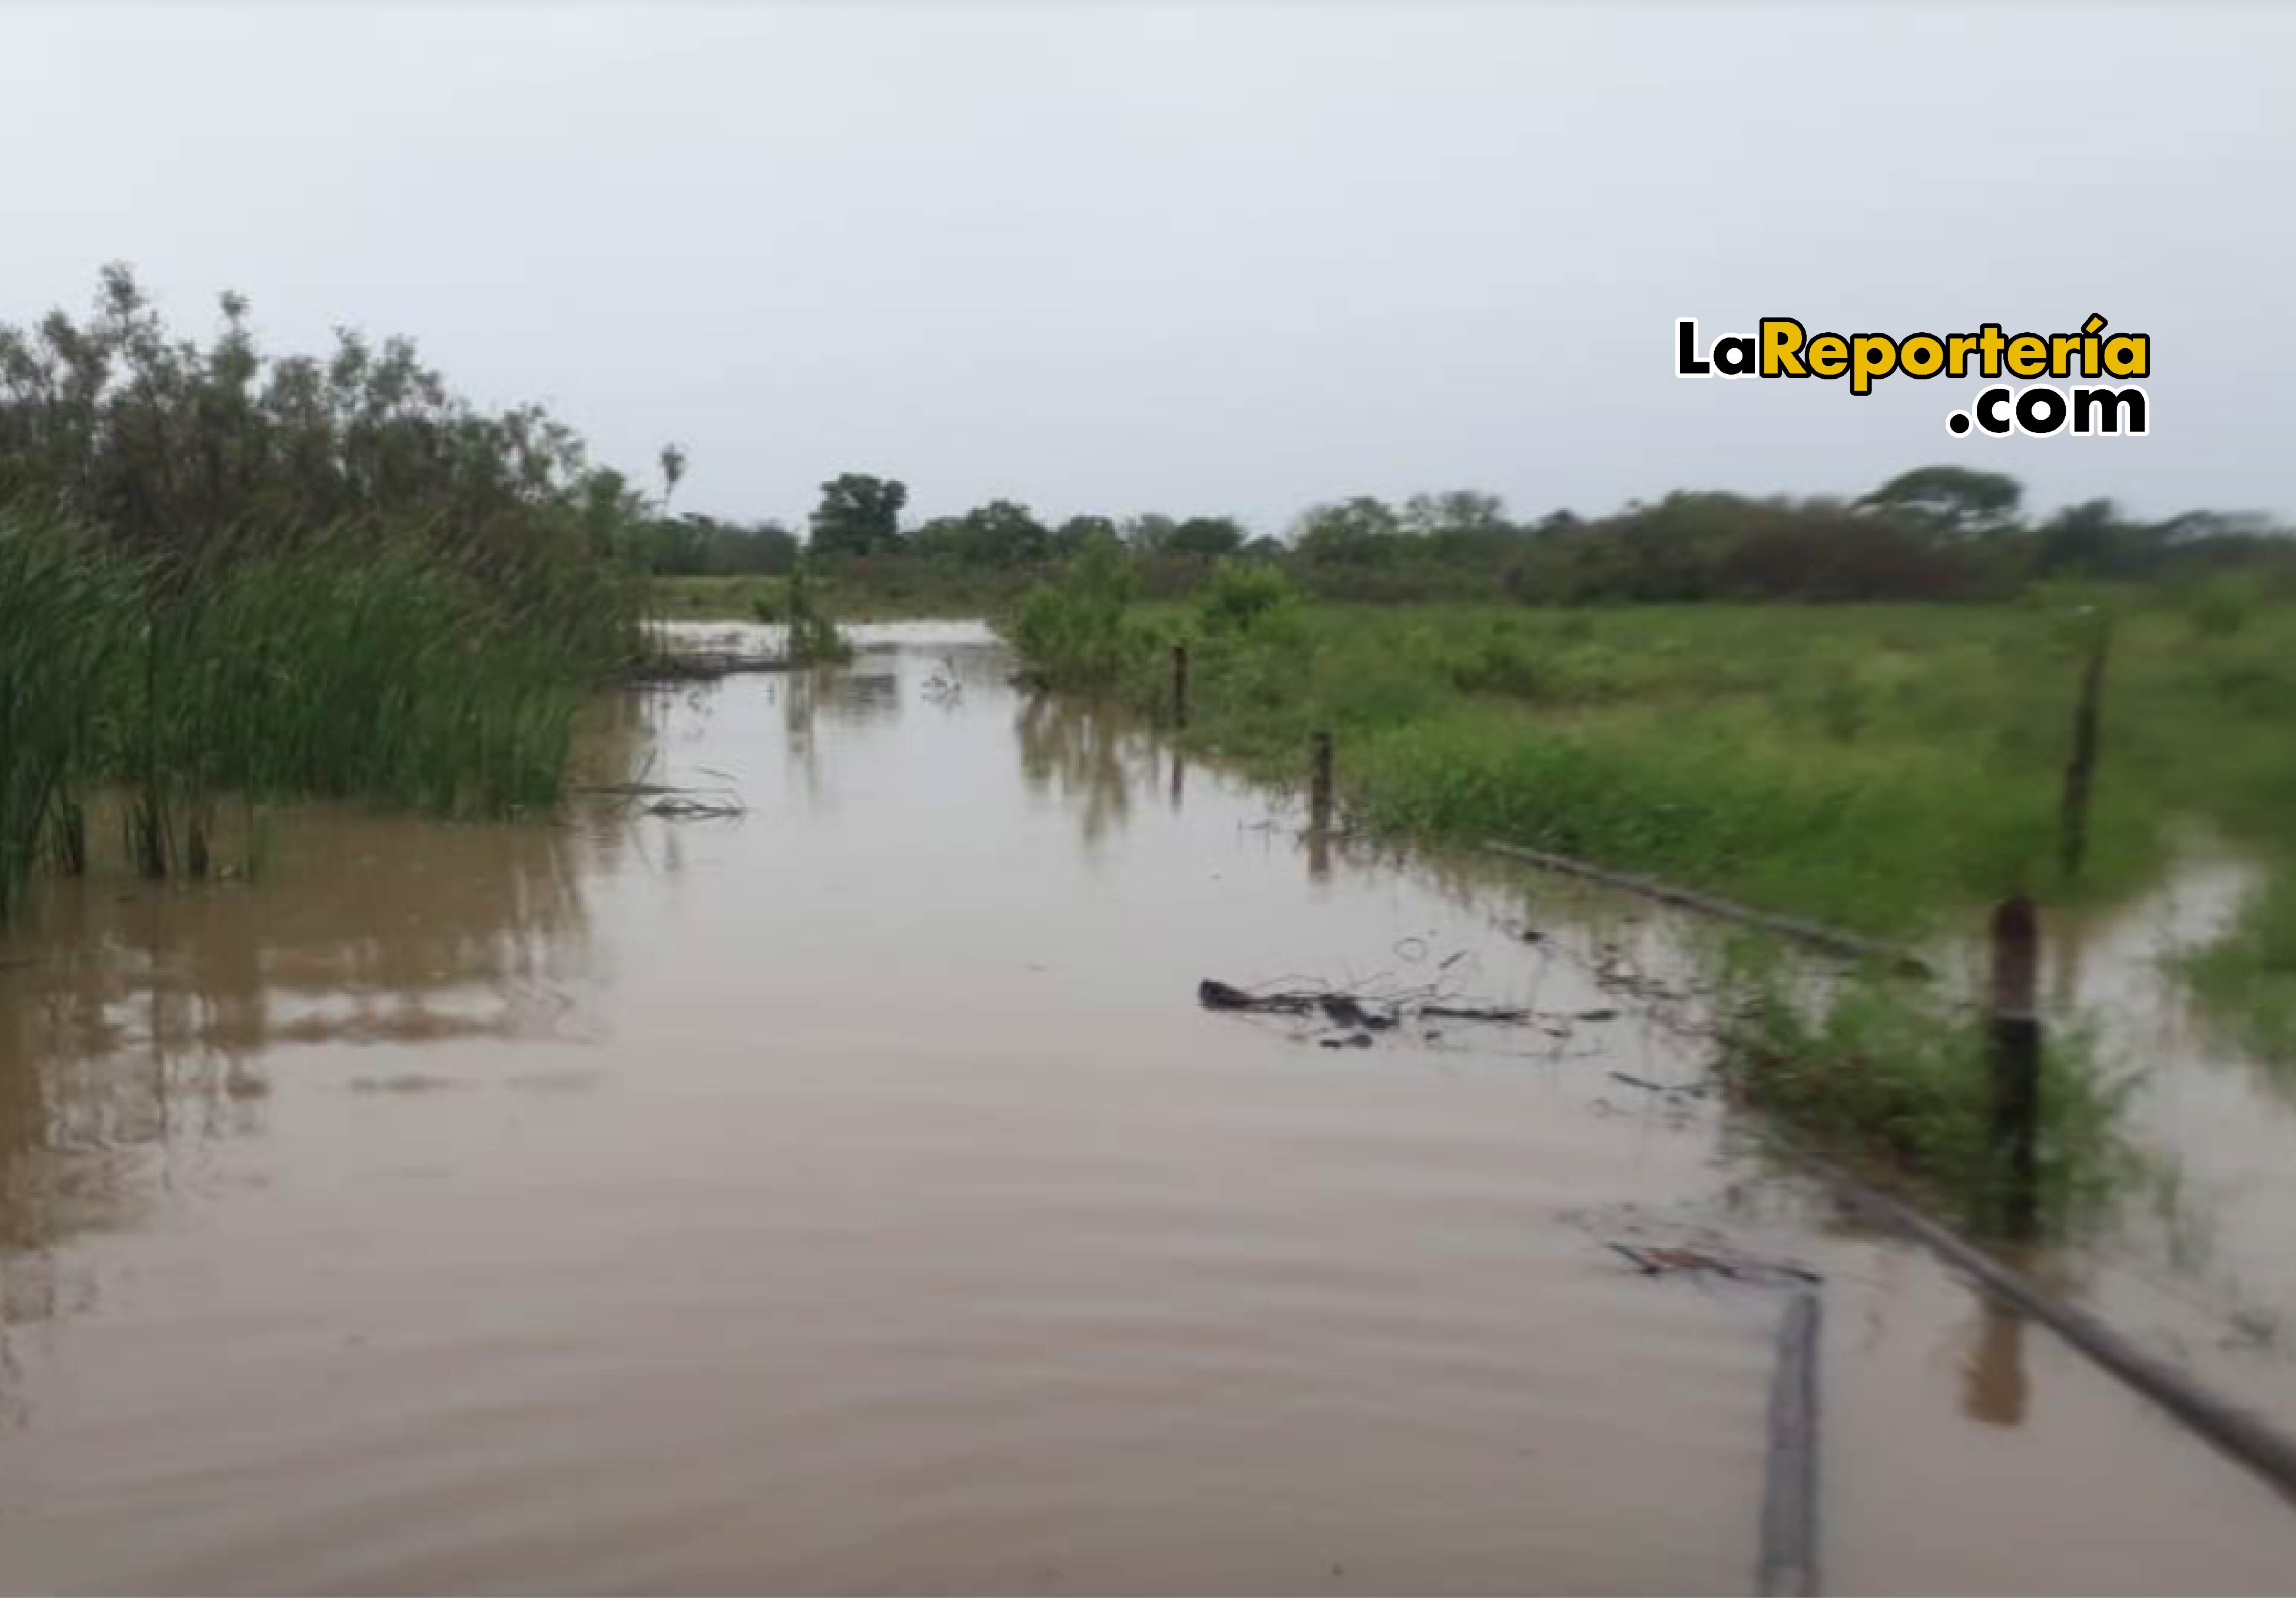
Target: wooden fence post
column 2080, row 769
column 1319, row 790
column 1179, row 685
column 2013, row 1029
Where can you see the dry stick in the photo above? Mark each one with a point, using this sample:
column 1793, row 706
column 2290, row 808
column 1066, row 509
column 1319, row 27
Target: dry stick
column 1789, row 1568
column 2246, row 1436
column 2080, row 770
column 1791, row 927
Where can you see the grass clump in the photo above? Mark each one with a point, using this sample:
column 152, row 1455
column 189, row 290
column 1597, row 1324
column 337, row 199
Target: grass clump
column 2247, row 978
column 1900, row 1086
column 65, row 626
column 813, row 636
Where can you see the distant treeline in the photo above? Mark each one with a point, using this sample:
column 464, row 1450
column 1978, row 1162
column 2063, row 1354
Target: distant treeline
column 1936, row 533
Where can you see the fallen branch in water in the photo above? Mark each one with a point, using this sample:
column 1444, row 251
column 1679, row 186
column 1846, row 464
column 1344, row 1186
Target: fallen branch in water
column 1352, row 1009
column 680, row 809
column 669, row 803
column 1655, row 1246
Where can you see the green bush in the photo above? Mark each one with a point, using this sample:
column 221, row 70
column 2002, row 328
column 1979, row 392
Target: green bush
column 2224, row 605
column 1072, row 630
column 1240, row 594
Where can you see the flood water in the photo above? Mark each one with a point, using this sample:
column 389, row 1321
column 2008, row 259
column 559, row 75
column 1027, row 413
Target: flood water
column 848, row 1194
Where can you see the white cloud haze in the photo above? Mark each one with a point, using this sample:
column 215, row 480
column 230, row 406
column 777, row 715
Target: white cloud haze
column 1125, row 258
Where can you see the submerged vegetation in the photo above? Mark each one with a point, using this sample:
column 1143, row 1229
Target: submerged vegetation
column 1882, row 1074
column 228, row 576
column 2248, row 978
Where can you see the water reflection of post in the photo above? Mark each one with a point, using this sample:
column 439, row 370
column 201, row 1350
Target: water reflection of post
column 1179, row 779
column 1993, row 1387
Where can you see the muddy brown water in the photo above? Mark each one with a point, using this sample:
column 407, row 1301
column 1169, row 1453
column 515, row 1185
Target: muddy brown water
column 849, row 1196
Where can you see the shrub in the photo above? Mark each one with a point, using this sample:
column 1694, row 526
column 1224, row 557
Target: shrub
column 1239, row 594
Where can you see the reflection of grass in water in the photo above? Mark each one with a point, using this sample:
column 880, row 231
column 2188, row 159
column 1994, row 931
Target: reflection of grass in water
column 2247, row 978
column 1086, row 753
column 1899, row 1082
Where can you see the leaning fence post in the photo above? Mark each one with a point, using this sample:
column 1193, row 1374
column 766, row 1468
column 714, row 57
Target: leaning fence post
column 2080, row 769
column 2014, row 1040
column 1179, row 685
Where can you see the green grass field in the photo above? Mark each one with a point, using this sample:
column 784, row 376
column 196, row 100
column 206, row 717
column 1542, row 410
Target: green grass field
column 1879, row 766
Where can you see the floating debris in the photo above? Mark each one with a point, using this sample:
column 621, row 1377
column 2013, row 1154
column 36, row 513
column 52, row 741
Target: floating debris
column 704, row 666
column 668, row 802
column 1659, row 1247
column 1362, row 1011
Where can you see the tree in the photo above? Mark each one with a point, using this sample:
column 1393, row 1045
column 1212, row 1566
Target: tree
column 176, row 449
column 859, row 514
column 1073, row 534
column 673, row 470
column 1147, row 533
column 941, row 538
column 2088, row 538
column 1210, row 537
column 999, row 533
column 1002, row 534
column 1463, row 511
column 1361, row 531
column 1955, row 501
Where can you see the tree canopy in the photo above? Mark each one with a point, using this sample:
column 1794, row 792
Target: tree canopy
column 859, row 514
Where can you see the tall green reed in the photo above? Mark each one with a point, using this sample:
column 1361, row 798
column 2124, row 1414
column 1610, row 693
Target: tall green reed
column 349, row 664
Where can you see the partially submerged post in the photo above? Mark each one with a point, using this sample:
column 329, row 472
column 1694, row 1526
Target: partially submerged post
column 2080, row 769
column 1319, row 788
column 2013, row 1038
column 1319, row 808
column 1179, row 685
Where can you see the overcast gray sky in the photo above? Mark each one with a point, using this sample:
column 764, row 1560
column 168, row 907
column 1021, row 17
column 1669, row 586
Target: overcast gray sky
column 1160, row 257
